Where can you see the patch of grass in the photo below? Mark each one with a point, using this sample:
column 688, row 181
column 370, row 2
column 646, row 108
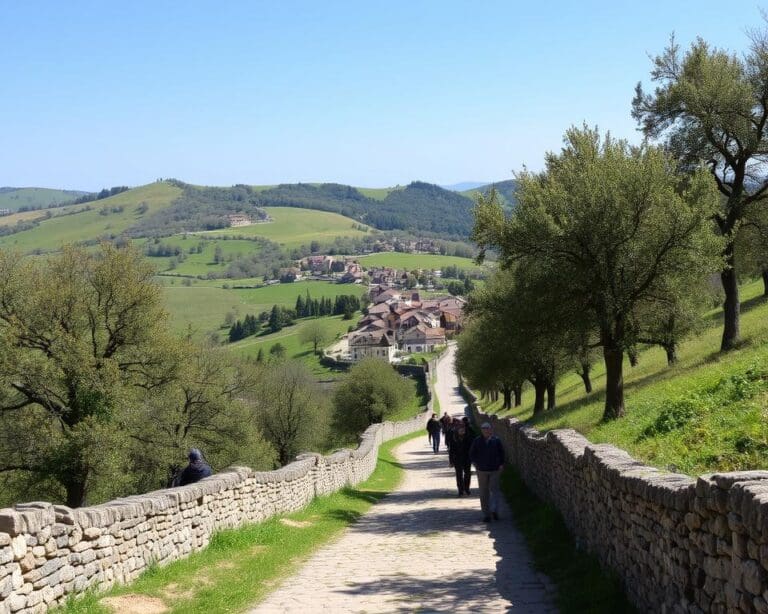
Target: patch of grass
column 294, row 227
column 241, row 566
column 582, row 585
column 202, row 263
column 417, row 401
column 709, row 412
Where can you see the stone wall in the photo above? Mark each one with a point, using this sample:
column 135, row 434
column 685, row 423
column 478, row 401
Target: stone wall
column 679, row 544
column 48, row 552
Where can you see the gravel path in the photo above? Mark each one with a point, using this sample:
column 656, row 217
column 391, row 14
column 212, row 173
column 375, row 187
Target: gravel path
column 421, row 548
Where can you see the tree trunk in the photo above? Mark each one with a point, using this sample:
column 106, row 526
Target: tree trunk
column 541, row 389
column 671, row 350
column 76, row 492
column 585, row 369
column 518, row 390
column 765, row 282
column 632, row 353
column 551, row 400
column 730, row 304
column 507, row 392
column 614, row 383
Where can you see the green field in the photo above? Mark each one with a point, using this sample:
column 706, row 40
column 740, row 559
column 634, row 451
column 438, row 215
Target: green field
column 202, row 263
column 36, row 197
column 204, row 306
column 294, row 227
column 410, row 262
column 709, row 412
column 52, row 234
column 335, row 327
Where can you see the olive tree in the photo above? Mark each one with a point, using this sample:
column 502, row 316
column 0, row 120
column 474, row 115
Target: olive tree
column 711, row 107
column 616, row 224
column 82, row 338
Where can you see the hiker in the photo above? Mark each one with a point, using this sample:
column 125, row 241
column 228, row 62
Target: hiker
column 433, row 430
column 196, row 470
column 459, row 455
column 487, row 455
column 470, row 429
column 445, row 423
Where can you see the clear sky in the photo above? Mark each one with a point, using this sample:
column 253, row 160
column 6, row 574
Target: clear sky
column 370, row 93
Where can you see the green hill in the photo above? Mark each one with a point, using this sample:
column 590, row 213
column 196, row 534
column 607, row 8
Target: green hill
column 505, row 189
column 36, row 198
column 293, row 227
column 419, row 207
column 705, row 413
column 108, row 217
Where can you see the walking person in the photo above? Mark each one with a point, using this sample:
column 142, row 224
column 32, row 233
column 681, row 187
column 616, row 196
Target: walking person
column 487, row 455
column 459, row 455
column 433, row 430
column 445, row 424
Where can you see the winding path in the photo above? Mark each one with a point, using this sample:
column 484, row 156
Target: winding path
column 421, row 548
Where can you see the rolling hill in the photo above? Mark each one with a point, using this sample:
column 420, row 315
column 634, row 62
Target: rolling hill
column 36, row 198
column 506, row 189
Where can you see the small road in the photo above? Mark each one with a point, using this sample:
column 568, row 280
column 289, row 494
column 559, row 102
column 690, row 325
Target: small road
column 422, row 548
column 447, row 385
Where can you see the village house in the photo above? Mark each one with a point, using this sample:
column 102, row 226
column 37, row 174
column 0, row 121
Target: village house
column 423, row 338
column 353, row 274
column 317, row 265
column 372, row 344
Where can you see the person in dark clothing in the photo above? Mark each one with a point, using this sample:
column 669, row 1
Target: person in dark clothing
column 471, row 432
column 487, row 455
column 433, row 428
column 445, row 423
column 196, row 470
column 459, row 455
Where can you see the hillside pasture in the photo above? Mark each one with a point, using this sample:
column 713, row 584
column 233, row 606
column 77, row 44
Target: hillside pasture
column 16, row 198
column 294, row 227
column 709, row 412
column 204, row 307
column 201, row 263
column 89, row 225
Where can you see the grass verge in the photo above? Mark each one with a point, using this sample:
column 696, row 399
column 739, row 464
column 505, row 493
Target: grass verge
column 241, row 566
column 582, row 585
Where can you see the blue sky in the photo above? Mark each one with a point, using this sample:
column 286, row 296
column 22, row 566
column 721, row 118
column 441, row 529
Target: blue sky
column 96, row 94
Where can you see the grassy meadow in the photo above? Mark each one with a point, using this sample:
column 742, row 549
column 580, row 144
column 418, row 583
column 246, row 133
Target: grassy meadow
column 709, row 412
column 292, row 227
column 35, row 197
column 202, row 263
column 53, row 233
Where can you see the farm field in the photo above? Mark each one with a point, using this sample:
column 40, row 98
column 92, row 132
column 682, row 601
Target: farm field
column 204, row 307
column 52, row 234
column 202, row 263
column 709, row 412
column 294, row 227
column 410, row 262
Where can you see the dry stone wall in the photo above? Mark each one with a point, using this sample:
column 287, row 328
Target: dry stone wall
column 679, row 544
column 48, row 552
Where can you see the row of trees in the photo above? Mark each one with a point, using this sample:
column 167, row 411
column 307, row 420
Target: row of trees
column 609, row 247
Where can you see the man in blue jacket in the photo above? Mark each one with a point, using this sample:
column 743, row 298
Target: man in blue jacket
column 487, row 455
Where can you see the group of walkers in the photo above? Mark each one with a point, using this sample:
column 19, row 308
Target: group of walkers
column 465, row 449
